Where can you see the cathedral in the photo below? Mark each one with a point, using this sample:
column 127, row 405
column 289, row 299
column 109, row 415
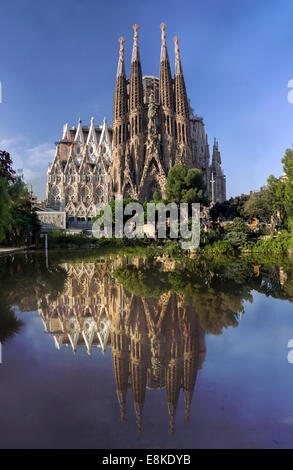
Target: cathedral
column 154, row 128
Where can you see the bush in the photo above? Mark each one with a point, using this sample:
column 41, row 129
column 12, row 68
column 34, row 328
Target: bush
column 238, row 225
column 57, row 237
column 281, row 244
column 237, row 239
column 221, row 247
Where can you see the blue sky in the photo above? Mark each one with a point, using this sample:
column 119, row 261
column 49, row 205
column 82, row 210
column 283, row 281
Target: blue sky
column 58, row 61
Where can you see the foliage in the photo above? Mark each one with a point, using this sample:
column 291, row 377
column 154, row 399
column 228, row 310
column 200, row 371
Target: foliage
column 280, row 244
column 111, row 204
column 146, row 283
column 238, row 225
column 6, row 170
column 23, row 282
column 259, row 205
column 288, row 190
column 5, row 208
column 185, row 185
column 22, row 223
column 229, row 209
column 221, row 247
column 237, row 239
column 18, row 222
column 58, row 237
column 9, row 324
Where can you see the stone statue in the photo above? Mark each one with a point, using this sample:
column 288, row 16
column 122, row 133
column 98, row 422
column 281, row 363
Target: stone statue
column 152, row 108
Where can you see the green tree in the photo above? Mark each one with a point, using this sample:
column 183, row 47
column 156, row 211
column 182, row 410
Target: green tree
column 288, row 189
column 230, row 209
column 23, row 224
column 5, row 208
column 259, row 204
column 6, row 170
column 185, row 185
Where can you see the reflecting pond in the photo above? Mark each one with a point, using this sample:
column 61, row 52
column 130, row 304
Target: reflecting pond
column 129, row 352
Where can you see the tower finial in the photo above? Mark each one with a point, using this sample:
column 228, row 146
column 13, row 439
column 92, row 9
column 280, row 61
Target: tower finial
column 135, row 28
column 178, row 68
column 135, row 51
column 120, row 68
column 177, row 52
column 163, row 27
column 121, row 50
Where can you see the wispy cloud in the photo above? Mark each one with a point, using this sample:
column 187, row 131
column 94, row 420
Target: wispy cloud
column 33, row 161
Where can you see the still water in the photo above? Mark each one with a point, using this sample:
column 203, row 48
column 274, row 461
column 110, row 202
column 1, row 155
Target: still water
column 119, row 352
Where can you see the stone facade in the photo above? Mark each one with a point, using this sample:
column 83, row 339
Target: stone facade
column 77, row 179
column 52, row 220
column 154, row 127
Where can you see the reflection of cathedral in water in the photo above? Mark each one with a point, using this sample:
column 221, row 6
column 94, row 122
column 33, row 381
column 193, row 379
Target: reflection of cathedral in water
column 156, row 343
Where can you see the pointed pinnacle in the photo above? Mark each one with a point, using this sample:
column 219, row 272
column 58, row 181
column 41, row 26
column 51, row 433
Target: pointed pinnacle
column 121, row 50
column 176, row 41
column 163, row 27
column 135, row 28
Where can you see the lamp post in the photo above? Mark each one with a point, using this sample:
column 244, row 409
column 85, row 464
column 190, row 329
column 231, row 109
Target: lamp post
column 213, row 191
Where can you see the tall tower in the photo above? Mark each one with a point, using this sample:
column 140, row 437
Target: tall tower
column 120, row 125
column 136, row 111
column 153, row 127
column 217, row 176
column 120, row 358
column 183, row 151
column 167, row 104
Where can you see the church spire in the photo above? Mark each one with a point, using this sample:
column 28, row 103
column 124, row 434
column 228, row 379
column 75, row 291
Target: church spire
column 178, row 66
column 135, row 51
column 120, row 97
column 184, row 153
column 136, row 88
column 136, row 111
column 167, row 102
column 164, row 52
column 121, row 66
column 166, row 86
column 181, row 102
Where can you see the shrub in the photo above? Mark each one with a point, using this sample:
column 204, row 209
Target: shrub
column 237, row 239
column 238, row 225
column 281, row 244
column 221, row 247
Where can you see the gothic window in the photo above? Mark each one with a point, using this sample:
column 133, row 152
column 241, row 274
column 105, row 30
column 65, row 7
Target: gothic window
column 84, row 193
column 69, row 194
column 99, row 194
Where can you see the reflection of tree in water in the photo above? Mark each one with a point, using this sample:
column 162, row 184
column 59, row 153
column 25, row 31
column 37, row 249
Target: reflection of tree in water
column 216, row 301
column 153, row 315
column 217, row 288
column 9, row 324
column 23, row 280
